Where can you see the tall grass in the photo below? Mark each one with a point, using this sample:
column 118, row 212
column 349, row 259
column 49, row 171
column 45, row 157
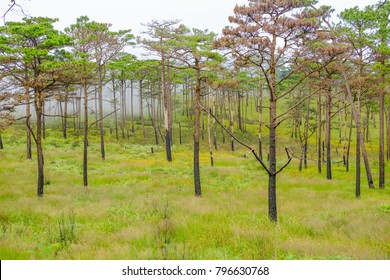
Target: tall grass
column 138, row 206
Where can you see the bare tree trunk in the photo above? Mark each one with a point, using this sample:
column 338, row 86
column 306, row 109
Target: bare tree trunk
column 231, row 121
column 198, row 189
column 328, row 134
column 209, row 137
column 367, row 130
column 382, row 133
column 123, row 106
column 1, row 142
column 166, row 100
column 306, row 134
column 101, row 119
column 43, row 120
column 349, row 145
column 115, row 109
column 356, row 115
column 388, row 133
column 319, row 134
column 260, row 120
column 65, row 122
column 240, row 126
column 132, row 105
column 85, row 140
column 28, row 123
column 39, row 104
column 141, row 109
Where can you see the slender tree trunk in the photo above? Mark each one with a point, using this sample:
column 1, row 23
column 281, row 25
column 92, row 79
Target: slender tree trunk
column 367, row 130
column 231, row 122
column 356, row 115
column 260, row 120
column 215, row 142
column 115, row 109
column 132, row 105
column 141, row 109
column 43, row 120
column 166, row 100
column 358, row 140
column 123, row 106
column 388, row 133
column 1, row 142
column 306, row 134
column 85, row 140
column 240, row 126
column 65, row 122
column 382, row 133
column 209, row 137
column 349, row 145
column 272, row 206
column 101, row 119
column 39, row 104
column 319, row 134
column 28, row 123
column 198, row 190
column 328, row 134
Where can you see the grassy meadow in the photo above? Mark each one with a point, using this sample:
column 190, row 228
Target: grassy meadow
column 139, row 206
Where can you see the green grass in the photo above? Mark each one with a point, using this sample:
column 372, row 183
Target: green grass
column 138, row 206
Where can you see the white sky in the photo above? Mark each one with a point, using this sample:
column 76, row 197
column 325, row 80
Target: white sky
column 202, row 14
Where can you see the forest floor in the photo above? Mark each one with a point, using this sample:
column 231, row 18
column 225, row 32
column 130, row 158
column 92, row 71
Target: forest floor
column 139, row 206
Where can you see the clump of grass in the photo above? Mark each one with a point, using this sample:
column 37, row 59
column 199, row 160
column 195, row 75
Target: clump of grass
column 384, row 208
column 65, row 231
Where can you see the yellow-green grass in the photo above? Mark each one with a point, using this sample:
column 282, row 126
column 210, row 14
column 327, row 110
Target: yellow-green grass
column 139, row 206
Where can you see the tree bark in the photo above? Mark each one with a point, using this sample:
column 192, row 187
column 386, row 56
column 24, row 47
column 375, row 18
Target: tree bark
column 85, row 140
column 319, row 134
column 141, row 109
column 101, row 118
column 328, row 134
column 1, row 142
column 382, row 133
column 198, row 189
column 28, row 124
column 356, row 116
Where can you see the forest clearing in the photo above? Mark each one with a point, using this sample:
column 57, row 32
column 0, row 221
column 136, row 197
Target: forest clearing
column 268, row 141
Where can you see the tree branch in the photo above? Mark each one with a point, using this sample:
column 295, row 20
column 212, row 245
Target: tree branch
column 238, row 141
column 102, row 118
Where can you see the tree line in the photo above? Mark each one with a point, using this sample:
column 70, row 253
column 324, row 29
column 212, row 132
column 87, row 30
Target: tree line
column 282, row 61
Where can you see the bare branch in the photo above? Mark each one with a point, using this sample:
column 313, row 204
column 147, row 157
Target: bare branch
column 235, row 138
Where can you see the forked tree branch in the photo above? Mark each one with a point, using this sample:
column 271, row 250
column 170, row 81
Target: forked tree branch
column 238, row 140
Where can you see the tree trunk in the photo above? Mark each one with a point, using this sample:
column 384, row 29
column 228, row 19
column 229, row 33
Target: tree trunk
column 166, row 101
column 198, row 190
column 272, row 207
column 1, row 142
column 358, row 140
column 101, row 119
column 123, row 106
column 260, row 120
column 356, row 115
column 231, row 121
column 39, row 104
column 388, row 133
column 141, row 109
column 132, row 105
column 85, row 140
column 306, row 134
column 382, row 133
column 328, row 134
column 28, row 124
column 115, row 109
column 319, row 134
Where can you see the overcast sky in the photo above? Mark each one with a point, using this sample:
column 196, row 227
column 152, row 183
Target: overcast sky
column 129, row 14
